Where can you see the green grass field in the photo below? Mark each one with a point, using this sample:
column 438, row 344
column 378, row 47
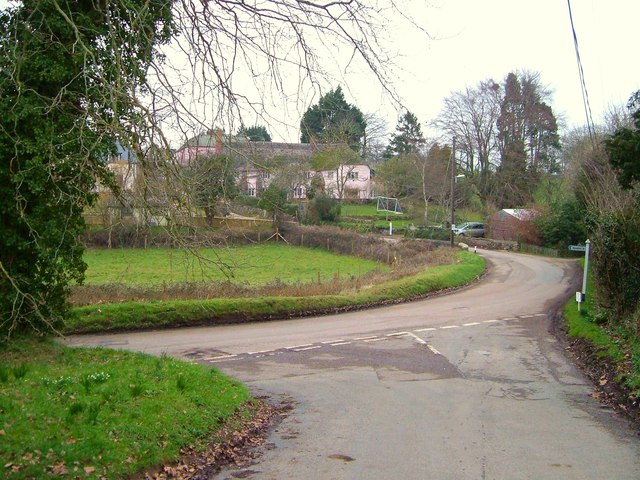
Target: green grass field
column 98, row 413
column 253, row 265
column 157, row 314
column 437, row 215
column 367, row 210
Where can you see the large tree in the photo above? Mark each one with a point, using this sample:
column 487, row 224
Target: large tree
column 68, row 72
column 210, row 181
column 333, row 120
column 470, row 117
column 408, row 137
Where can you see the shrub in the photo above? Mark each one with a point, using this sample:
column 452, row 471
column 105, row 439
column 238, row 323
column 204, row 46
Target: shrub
column 615, row 239
column 562, row 224
column 323, row 208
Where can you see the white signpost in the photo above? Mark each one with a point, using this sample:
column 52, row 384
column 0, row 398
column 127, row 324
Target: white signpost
column 580, row 296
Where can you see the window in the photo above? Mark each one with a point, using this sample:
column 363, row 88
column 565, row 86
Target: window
column 352, row 175
column 252, row 191
column 265, row 175
column 299, row 192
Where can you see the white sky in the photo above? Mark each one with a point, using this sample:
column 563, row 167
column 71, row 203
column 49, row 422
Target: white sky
column 481, row 39
column 474, row 40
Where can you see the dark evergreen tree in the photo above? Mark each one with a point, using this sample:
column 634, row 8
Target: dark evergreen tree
column 333, row 120
column 408, row 137
column 257, row 133
column 69, row 70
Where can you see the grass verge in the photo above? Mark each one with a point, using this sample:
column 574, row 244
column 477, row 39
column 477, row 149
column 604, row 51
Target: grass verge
column 614, row 346
column 99, row 413
column 134, row 315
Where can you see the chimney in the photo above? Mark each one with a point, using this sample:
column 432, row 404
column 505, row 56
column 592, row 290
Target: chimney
column 218, row 141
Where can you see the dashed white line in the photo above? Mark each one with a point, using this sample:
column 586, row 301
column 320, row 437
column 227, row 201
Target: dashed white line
column 377, row 339
column 259, row 351
column 334, row 341
column 219, row 357
column 298, row 346
column 510, row 318
column 446, row 327
column 430, row 329
column 540, row 315
column 491, row 321
column 365, row 338
column 306, row 348
column 341, row 343
column 470, row 324
column 397, row 334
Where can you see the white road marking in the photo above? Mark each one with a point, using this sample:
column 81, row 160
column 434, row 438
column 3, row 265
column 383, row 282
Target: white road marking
column 433, row 350
column 368, row 339
column 306, row 348
column 219, row 357
column 299, row 346
column 417, row 338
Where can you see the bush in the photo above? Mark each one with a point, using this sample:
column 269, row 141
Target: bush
column 429, row 233
column 347, row 242
column 323, row 209
column 615, row 238
column 562, row 224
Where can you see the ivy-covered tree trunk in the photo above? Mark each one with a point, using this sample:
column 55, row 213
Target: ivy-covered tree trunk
column 68, row 73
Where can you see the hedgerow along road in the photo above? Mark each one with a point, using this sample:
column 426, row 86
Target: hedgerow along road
column 470, row 385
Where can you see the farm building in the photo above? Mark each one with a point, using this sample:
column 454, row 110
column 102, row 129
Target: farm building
column 514, row 224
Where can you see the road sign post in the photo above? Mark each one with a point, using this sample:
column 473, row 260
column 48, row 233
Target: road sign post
column 587, row 244
column 580, row 296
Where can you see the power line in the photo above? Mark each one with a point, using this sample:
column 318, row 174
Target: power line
column 583, row 84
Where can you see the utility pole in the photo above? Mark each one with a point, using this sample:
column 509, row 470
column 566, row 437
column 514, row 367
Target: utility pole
column 453, row 187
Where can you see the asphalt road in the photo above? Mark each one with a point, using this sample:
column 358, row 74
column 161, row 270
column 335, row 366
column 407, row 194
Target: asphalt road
column 465, row 386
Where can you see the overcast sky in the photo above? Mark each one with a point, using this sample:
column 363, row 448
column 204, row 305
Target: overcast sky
column 474, row 40
column 478, row 40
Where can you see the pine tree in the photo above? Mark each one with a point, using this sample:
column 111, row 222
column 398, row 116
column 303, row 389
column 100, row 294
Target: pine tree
column 408, row 137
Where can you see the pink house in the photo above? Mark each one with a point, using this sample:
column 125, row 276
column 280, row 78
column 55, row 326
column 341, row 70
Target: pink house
column 347, row 181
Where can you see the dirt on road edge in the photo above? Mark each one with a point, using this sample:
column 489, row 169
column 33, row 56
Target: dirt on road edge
column 236, row 443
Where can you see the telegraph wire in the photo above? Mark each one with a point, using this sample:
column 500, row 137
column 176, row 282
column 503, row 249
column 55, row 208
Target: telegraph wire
column 583, row 84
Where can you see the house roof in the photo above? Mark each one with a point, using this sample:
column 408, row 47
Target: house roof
column 523, row 214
